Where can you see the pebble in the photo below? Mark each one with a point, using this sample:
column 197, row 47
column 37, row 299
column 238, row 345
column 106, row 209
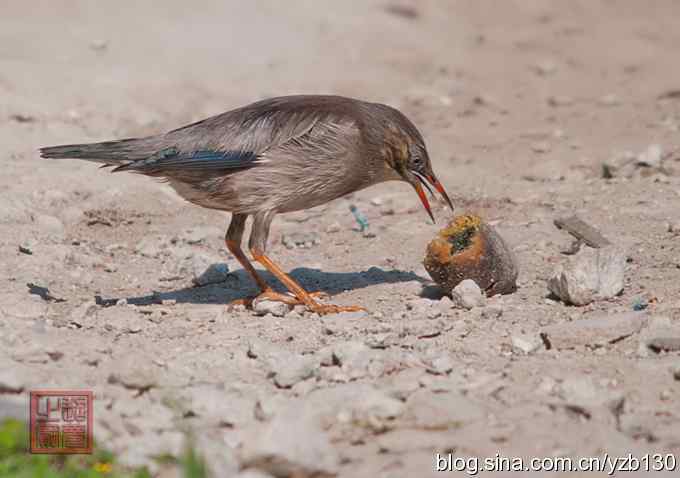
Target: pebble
column 467, row 295
column 651, row 157
column 300, row 239
column 276, row 308
column 204, row 272
column 440, row 365
column 594, row 331
column 589, row 275
column 526, row 343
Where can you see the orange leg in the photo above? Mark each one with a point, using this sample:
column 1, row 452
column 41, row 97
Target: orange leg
column 266, row 291
column 301, row 294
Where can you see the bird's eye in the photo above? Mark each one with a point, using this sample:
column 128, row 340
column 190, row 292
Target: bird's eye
column 416, row 162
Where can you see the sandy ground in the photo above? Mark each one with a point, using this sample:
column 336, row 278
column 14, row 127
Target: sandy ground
column 520, row 102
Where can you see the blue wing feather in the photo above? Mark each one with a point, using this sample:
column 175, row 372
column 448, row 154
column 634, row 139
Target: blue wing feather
column 171, row 159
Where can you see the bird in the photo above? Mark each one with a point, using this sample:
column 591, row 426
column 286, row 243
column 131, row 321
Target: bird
column 275, row 156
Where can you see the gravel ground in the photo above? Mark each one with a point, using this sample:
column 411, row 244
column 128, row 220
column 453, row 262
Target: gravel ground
column 531, row 110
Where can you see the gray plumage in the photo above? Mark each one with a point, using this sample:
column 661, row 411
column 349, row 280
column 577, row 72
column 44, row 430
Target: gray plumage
column 273, row 156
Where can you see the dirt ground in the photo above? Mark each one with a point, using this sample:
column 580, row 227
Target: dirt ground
column 521, row 103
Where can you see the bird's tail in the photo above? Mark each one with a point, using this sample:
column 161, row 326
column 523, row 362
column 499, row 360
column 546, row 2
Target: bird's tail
column 109, row 152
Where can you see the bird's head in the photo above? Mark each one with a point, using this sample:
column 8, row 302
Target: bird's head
column 407, row 156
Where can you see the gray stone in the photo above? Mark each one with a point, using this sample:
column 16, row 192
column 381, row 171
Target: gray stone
column 467, row 295
column 589, row 275
column 289, row 446
column 276, row 308
column 594, row 331
column 210, row 274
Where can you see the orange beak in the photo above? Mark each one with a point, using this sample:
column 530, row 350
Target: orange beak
column 423, row 181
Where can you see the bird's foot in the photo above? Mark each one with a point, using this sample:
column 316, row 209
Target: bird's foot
column 323, row 309
column 270, row 294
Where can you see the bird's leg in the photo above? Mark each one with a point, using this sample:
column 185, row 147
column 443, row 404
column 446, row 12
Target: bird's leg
column 258, row 244
column 233, row 241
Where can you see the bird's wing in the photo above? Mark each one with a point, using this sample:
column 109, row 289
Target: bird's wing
column 172, row 159
column 241, row 138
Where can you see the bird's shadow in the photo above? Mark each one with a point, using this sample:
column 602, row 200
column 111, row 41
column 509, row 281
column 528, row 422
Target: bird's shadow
column 239, row 284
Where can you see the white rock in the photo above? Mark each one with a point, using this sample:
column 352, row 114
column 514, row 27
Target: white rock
column 441, row 365
column 526, row 343
column 276, row 308
column 589, row 275
column 467, row 295
column 651, row 157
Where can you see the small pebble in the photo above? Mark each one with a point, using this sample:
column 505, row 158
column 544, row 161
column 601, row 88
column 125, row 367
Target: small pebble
column 467, row 295
column 275, row 308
